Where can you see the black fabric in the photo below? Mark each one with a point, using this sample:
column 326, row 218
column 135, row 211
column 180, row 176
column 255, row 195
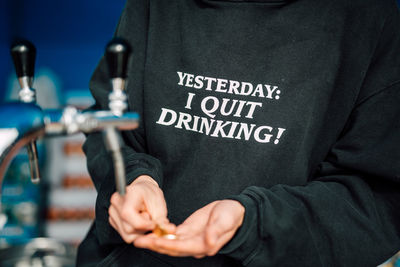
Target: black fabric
column 293, row 110
column 275, row 3
column 90, row 253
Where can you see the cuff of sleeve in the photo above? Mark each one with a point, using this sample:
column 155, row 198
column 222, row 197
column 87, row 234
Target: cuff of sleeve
column 244, row 242
column 132, row 175
column 137, row 164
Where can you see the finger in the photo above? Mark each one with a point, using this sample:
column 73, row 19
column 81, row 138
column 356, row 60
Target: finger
column 221, row 241
column 128, row 229
column 214, row 232
column 161, row 221
column 125, row 226
column 197, row 221
column 148, row 242
column 217, row 226
column 166, row 227
column 117, row 225
column 152, row 198
column 200, row 256
column 184, row 230
column 113, row 216
column 145, row 241
column 157, row 207
column 193, row 224
column 116, row 199
column 112, row 223
column 182, row 248
column 169, row 228
column 129, row 209
column 145, row 215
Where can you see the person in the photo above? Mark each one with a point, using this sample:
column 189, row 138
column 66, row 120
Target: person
column 269, row 136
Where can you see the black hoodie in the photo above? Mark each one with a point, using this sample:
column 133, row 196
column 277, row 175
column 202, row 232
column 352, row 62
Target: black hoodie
column 290, row 107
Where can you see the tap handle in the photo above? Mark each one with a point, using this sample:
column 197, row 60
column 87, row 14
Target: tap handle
column 117, row 54
column 24, row 55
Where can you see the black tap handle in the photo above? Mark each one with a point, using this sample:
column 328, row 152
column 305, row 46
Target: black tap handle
column 117, row 54
column 24, row 56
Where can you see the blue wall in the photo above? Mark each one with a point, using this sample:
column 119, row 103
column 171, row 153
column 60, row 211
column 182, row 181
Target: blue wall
column 4, row 40
column 70, row 36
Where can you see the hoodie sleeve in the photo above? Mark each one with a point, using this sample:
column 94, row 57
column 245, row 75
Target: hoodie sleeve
column 133, row 28
column 349, row 212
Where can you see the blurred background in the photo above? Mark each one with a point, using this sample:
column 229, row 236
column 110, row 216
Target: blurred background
column 70, row 37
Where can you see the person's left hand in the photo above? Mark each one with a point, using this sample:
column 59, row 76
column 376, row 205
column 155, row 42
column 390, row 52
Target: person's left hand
column 202, row 234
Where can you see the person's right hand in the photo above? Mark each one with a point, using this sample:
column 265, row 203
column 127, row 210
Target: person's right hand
column 138, row 212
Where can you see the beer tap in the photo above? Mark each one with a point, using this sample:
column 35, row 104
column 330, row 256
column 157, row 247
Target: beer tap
column 117, row 55
column 23, row 122
column 24, row 55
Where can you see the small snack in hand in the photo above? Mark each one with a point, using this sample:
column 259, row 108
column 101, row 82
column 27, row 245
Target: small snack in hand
column 161, row 232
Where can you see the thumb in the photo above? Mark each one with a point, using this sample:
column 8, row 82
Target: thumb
column 217, row 226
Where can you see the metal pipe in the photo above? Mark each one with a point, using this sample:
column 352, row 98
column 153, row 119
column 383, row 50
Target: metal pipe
column 112, row 141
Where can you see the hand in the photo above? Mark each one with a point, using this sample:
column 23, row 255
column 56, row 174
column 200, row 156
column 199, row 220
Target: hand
column 138, row 212
column 202, row 234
